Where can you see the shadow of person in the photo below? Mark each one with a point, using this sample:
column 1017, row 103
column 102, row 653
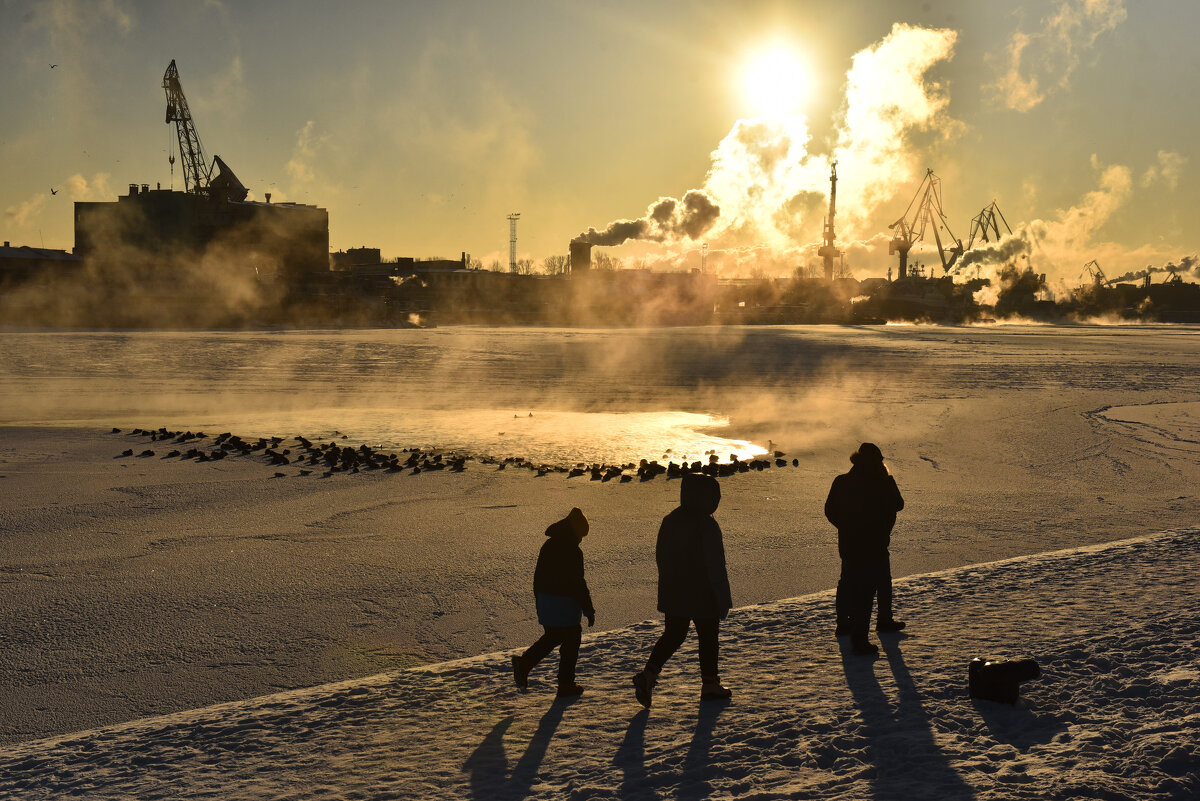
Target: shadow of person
column 488, row 765
column 698, row 768
column 631, row 759
column 526, row 769
column 908, row 762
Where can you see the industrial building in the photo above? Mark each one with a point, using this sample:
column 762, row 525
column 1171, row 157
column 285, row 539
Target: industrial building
column 172, row 230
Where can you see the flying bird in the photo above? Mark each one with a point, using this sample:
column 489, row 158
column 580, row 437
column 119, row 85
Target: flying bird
column 52, row 66
column 53, row 191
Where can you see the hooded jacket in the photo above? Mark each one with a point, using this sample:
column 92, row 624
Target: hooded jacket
column 862, row 504
column 692, row 580
column 559, row 568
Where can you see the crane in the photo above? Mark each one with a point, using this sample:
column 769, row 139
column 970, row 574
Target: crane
column 197, row 172
column 829, row 251
column 1092, row 268
column 925, row 208
column 986, row 226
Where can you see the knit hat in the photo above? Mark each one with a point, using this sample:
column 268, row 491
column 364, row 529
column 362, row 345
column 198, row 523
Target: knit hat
column 578, row 523
column 867, row 453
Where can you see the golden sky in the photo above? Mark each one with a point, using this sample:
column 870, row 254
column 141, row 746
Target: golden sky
column 421, row 126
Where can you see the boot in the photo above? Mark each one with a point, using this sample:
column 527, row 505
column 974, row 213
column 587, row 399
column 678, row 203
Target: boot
column 861, row 646
column 569, row 690
column 711, row 689
column 891, row 624
column 520, row 672
column 643, row 685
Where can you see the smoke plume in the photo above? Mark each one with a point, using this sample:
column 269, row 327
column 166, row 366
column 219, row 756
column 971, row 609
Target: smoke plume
column 667, row 219
column 1186, row 266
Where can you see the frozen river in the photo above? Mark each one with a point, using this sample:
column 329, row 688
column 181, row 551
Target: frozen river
column 562, row 396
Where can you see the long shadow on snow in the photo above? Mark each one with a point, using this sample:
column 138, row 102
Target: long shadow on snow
column 488, row 764
column 900, row 740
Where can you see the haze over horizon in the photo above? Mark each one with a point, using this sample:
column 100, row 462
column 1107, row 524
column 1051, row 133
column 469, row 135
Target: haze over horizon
column 421, row 127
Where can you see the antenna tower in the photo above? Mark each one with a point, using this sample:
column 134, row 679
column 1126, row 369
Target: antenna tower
column 512, row 241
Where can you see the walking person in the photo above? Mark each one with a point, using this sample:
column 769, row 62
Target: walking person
column 563, row 600
column 862, row 504
column 693, row 586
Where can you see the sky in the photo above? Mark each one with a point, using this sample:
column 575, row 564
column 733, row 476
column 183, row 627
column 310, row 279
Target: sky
column 422, row 126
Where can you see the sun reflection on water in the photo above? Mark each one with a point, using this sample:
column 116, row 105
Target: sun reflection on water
column 542, row 436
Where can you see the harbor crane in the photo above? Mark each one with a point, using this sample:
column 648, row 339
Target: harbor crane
column 986, row 225
column 197, row 172
column 829, row 251
column 1092, row 268
column 924, row 211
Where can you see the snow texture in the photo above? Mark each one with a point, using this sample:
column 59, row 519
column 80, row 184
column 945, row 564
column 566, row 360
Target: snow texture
column 1114, row 715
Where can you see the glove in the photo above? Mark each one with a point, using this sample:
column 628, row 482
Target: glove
column 591, row 620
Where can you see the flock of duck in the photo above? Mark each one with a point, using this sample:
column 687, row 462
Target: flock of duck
column 331, row 457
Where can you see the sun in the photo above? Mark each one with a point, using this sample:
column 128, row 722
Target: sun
column 776, row 82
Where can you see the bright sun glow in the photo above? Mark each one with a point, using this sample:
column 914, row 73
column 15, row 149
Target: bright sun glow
column 777, row 82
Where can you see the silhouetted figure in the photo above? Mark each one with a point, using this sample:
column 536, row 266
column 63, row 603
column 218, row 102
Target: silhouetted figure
column 693, row 586
column 863, row 505
column 562, row 599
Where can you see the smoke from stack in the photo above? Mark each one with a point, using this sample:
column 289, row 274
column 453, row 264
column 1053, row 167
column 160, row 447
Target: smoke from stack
column 1188, row 265
column 667, row 220
column 1002, row 252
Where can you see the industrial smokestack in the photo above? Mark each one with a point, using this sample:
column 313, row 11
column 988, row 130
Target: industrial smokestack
column 581, row 256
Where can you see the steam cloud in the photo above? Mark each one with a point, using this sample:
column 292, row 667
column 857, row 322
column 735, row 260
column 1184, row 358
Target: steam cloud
column 1040, row 63
column 766, row 194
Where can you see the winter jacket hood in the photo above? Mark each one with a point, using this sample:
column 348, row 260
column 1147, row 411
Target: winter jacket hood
column 699, row 493
column 572, row 526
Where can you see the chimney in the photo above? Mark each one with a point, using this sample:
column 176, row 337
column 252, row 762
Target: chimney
column 268, row 197
column 581, row 256
column 133, row 190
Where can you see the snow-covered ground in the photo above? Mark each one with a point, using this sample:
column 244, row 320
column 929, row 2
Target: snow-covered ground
column 1115, row 714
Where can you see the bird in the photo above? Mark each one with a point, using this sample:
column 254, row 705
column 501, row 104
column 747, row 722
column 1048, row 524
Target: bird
column 53, row 191
column 52, row 66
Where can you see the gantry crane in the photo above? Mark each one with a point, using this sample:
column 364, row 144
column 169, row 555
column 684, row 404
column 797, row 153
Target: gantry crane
column 197, row 172
column 924, row 209
column 829, row 251
column 986, row 225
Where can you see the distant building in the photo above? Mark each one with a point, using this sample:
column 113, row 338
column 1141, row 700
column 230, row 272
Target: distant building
column 24, row 264
column 354, row 257
column 166, row 231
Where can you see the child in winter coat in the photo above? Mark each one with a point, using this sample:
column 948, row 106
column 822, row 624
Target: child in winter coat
column 693, row 586
column 562, row 599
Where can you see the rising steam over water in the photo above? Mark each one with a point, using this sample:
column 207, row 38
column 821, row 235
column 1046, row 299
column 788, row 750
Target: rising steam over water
column 609, row 396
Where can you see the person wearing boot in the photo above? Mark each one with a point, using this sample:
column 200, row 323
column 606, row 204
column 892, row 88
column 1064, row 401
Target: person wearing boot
column 693, row 586
column 862, row 504
column 562, row 600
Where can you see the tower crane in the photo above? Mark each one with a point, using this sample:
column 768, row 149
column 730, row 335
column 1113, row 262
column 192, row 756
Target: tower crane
column 197, row 172
column 924, row 209
column 829, row 251
column 986, row 225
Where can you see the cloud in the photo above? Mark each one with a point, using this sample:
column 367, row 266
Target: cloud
column 21, row 215
column 1041, row 63
column 26, row 215
column 1169, row 166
